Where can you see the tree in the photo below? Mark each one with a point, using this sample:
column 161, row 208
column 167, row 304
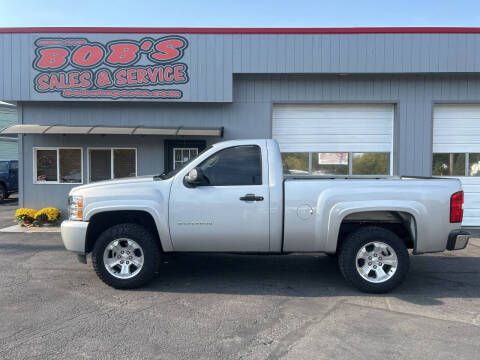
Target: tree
column 371, row 164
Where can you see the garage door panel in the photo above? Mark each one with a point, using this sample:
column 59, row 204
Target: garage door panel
column 359, row 122
column 470, row 221
column 327, row 147
column 333, row 127
column 473, row 189
column 472, row 212
column 471, row 184
column 380, row 127
column 472, row 201
column 470, row 217
column 334, row 110
column 456, row 129
column 336, row 138
column 460, row 129
column 464, row 139
column 470, row 180
column 314, row 130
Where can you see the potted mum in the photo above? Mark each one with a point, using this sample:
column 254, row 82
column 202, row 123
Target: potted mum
column 25, row 217
column 47, row 216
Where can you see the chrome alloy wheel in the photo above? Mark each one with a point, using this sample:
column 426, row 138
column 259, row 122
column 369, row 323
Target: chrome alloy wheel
column 123, row 258
column 376, row 262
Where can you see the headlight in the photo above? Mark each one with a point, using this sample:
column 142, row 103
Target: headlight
column 75, row 207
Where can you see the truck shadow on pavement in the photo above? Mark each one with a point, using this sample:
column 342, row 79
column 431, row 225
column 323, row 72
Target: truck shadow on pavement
column 430, row 277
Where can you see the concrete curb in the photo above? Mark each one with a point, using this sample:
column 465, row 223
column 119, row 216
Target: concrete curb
column 22, row 229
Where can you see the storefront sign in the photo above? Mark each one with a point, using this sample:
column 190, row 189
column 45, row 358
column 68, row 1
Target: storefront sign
column 79, row 68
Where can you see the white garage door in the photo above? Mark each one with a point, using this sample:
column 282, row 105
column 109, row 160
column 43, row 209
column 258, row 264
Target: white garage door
column 334, row 138
column 456, row 152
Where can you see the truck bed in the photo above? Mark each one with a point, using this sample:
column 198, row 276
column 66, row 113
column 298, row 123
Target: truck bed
column 315, row 209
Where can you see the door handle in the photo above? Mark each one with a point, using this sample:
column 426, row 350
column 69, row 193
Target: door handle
column 251, row 197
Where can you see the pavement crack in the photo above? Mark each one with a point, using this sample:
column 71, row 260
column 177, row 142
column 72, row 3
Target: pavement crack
column 473, row 322
column 289, row 340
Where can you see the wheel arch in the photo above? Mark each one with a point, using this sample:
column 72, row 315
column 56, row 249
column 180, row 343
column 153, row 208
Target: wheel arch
column 346, row 217
column 401, row 223
column 102, row 220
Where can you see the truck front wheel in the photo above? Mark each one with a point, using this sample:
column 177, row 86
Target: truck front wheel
column 126, row 256
column 374, row 259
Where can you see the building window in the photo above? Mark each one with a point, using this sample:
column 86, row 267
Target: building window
column 111, row 163
column 456, row 164
column 337, row 163
column 330, row 163
column 183, row 155
column 371, row 163
column 295, row 163
column 58, row 165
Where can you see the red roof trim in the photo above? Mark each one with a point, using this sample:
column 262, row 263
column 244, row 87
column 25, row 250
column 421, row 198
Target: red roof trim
column 180, row 30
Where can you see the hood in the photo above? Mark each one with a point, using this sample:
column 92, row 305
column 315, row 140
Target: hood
column 105, row 183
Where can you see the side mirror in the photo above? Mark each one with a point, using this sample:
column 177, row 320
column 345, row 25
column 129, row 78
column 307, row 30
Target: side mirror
column 195, row 178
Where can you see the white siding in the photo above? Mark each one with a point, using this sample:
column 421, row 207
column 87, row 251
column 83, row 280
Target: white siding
column 333, row 127
column 8, row 145
column 8, row 149
column 8, row 116
column 456, row 129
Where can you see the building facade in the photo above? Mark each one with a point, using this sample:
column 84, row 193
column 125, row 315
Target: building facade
column 97, row 104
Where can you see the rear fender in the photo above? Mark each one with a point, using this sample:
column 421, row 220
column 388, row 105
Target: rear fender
column 341, row 210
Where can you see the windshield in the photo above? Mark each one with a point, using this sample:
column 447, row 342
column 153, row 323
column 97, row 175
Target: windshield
column 172, row 173
column 3, row 165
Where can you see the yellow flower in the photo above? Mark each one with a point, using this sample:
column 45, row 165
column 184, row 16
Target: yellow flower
column 48, row 213
column 24, row 212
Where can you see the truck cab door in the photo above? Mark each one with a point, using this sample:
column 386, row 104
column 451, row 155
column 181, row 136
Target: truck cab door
column 230, row 210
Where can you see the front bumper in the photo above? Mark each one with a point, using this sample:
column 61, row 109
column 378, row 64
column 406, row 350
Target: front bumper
column 458, row 240
column 74, row 234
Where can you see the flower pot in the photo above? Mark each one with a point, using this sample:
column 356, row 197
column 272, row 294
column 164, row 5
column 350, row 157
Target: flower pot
column 27, row 222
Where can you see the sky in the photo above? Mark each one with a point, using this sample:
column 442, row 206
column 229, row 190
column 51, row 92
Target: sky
column 239, row 13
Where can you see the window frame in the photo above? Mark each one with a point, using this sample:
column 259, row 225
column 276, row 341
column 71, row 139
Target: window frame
column 57, row 149
column 183, row 148
column 112, row 171
column 350, row 163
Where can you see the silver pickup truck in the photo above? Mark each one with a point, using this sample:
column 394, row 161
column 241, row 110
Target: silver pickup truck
column 234, row 198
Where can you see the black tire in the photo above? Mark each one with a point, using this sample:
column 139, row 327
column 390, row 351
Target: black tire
column 3, row 193
column 151, row 254
column 361, row 237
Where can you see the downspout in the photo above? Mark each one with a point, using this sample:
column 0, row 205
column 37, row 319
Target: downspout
column 21, row 162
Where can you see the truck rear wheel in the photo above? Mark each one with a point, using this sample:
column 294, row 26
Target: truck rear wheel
column 126, row 256
column 374, row 259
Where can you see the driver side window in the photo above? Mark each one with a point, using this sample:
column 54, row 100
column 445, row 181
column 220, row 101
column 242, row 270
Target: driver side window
column 238, row 165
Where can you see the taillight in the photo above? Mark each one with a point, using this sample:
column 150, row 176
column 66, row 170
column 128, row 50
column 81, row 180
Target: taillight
column 456, row 210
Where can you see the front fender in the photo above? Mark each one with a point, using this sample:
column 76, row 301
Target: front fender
column 341, row 210
column 158, row 213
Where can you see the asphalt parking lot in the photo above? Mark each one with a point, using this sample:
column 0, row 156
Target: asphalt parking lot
column 232, row 307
